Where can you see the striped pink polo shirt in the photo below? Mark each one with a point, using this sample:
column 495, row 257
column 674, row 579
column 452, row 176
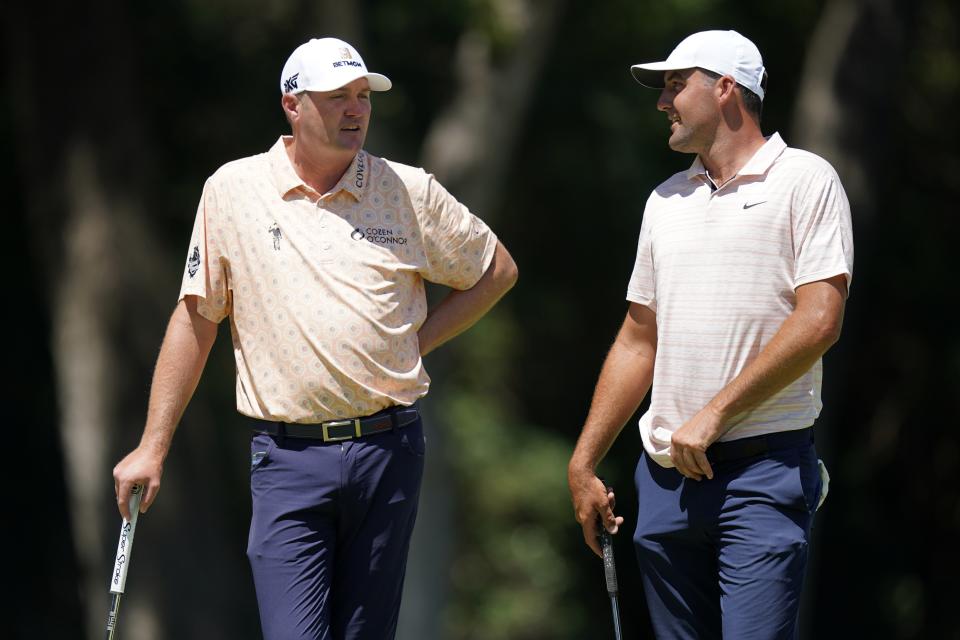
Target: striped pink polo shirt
column 325, row 292
column 720, row 269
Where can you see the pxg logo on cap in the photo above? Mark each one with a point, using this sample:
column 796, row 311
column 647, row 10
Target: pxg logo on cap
column 326, row 64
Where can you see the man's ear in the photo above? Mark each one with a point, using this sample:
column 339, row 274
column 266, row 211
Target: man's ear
column 725, row 89
column 291, row 106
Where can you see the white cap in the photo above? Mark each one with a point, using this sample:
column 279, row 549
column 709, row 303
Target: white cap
column 326, row 64
column 725, row 52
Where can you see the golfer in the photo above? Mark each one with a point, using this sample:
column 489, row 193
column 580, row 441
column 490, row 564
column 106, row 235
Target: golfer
column 317, row 252
column 743, row 267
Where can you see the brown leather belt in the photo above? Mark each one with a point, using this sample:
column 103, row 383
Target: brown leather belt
column 339, row 430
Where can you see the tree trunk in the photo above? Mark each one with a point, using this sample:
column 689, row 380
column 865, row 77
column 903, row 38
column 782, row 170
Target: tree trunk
column 469, row 147
column 819, row 122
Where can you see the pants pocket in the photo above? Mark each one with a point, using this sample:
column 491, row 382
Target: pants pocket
column 412, row 438
column 811, row 484
column 261, row 445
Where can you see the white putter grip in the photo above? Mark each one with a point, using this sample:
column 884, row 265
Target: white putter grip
column 125, row 546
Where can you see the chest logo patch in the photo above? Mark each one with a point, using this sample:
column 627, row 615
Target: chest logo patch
column 378, row 235
column 750, row 205
column 277, row 235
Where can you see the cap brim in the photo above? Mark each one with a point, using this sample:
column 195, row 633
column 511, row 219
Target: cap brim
column 650, row 74
column 378, row 82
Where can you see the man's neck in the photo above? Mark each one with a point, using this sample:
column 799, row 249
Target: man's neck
column 321, row 173
column 728, row 154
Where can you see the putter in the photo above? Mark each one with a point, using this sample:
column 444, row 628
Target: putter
column 610, row 573
column 124, row 548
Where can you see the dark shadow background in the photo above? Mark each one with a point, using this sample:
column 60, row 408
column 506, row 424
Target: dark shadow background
column 116, row 113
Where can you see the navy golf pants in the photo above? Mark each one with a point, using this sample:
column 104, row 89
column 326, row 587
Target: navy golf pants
column 725, row 558
column 330, row 530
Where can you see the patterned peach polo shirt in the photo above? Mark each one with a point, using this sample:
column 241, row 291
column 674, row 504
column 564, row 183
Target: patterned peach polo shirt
column 720, row 267
column 325, row 292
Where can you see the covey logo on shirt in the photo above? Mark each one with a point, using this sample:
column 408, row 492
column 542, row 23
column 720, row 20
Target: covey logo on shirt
column 361, row 169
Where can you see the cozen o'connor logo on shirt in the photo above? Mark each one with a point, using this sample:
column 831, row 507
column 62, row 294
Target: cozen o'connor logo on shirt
column 378, row 235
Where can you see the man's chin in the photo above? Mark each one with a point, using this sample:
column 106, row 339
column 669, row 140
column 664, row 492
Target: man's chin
column 680, row 145
column 352, row 141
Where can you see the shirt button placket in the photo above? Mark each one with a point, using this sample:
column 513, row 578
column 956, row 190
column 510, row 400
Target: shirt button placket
column 325, row 245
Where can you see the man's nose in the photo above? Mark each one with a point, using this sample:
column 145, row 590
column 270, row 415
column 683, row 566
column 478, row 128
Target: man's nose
column 357, row 107
column 665, row 101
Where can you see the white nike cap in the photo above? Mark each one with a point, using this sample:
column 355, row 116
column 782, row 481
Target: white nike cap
column 325, row 64
column 725, row 52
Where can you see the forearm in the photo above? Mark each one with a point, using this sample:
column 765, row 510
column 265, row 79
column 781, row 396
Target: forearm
column 460, row 310
column 624, row 381
column 183, row 355
column 802, row 339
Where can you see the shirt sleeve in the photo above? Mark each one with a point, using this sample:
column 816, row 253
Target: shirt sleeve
column 642, row 286
column 458, row 245
column 822, row 230
column 207, row 273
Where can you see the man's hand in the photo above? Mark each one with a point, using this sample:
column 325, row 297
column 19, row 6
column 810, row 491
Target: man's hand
column 590, row 498
column 139, row 467
column 688, row 445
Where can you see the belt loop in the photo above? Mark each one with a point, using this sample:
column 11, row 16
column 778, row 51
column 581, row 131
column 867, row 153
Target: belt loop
column 282, row 433
column 394, row 421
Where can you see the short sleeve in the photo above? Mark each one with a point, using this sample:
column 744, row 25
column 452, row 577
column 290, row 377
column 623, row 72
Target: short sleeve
column 642, row 286
column 207, row 273
column 822, row 230
column 458, row 245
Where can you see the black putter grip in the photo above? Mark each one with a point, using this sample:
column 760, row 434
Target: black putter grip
column 609, row 565
column 606, row 547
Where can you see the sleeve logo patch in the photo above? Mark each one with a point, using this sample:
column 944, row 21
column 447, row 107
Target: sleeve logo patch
column 193, row 264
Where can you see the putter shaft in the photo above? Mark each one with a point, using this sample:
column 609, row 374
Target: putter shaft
column 615, row 606
column 112, row 615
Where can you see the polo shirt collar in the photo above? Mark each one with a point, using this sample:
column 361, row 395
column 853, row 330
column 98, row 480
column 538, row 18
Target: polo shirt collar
column 353, row 180
column 757, row 165
column 284, row 175
column 765, row 156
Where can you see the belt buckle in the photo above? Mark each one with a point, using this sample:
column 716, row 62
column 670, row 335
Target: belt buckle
column 340, row 423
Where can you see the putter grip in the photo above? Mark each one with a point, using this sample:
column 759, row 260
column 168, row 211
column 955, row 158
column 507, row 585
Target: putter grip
column 609, row 566
column 118, row 579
